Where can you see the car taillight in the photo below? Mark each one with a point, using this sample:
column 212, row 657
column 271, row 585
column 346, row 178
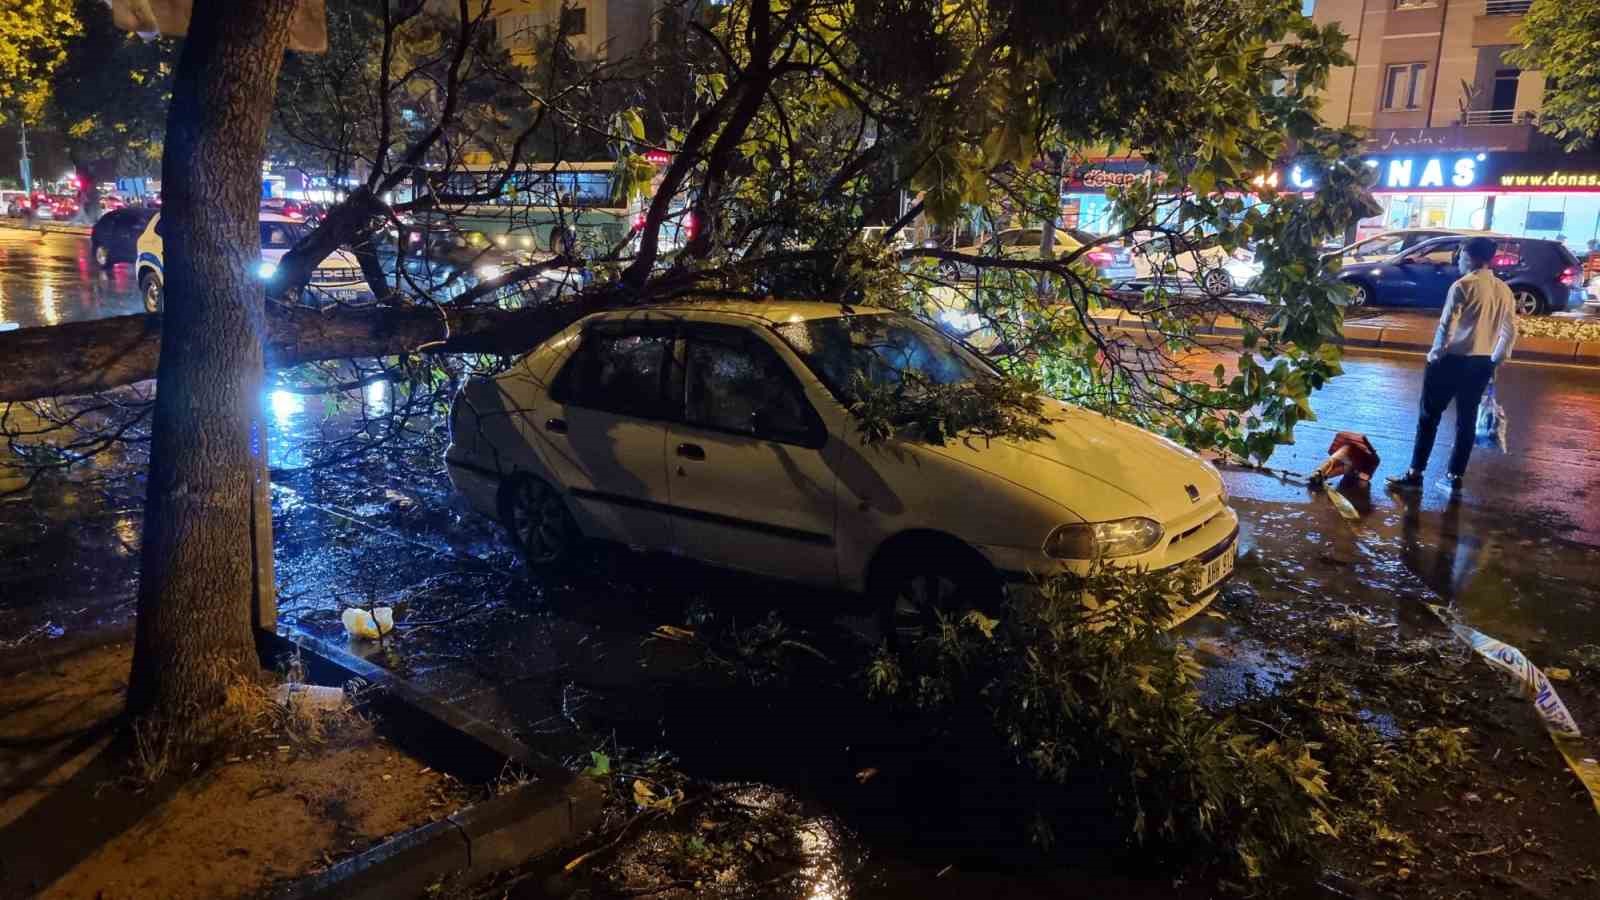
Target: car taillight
column 638, row 221
column 1101, row 257
column 1569, row 275
column 1503, row 261
column 691, row 225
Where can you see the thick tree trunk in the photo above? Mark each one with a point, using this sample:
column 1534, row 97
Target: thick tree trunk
column 193, row 638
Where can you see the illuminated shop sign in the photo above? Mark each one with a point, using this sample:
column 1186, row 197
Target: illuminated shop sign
column 1478, row 171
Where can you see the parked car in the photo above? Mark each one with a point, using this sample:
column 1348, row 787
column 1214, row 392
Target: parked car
column 1543, row 275
column 115, row 238
column 1195, row 259
column 337, row 280
column 722, row 432
column 13, row 203
column 1111, row 262
column 1392, row 243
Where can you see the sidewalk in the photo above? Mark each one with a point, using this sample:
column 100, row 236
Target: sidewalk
column 1394, row 331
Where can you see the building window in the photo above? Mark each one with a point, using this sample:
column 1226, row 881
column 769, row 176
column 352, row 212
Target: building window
column 1504, row 95
column 574, row 21
column 1402, row 86
column 1307, row 7
column 1414, row 4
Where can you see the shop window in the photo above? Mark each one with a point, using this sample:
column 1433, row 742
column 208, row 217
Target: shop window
column 1403, row 86
column 1546, row 221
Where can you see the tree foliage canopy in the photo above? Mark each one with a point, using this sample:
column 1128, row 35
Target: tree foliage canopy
column 1559, row 39
column 33, row 40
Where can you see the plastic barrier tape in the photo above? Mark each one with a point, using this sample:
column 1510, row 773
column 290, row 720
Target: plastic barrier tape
column 1558, row 721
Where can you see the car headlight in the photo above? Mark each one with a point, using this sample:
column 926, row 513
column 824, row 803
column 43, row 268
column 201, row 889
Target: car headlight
column 1088, row 540
column 266, row 270
column 488, row 272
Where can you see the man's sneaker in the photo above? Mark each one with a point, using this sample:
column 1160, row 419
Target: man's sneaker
column 1410, row 481
column 1451, row 483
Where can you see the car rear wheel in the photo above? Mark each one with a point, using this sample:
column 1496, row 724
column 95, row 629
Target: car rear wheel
column 1529, row 303
column 150, row 287
column 540, row 524
column 102, row 256
column 949, row 270
column 922, row 581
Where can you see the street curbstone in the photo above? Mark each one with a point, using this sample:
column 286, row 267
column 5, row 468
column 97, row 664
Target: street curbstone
column 528, row 821
column 1550, row 349
column 403, row 866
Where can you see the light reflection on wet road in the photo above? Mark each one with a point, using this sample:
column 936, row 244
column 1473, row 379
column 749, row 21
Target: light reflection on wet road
column 46, row 279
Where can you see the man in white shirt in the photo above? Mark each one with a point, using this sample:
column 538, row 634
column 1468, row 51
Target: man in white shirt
column 1477, row 329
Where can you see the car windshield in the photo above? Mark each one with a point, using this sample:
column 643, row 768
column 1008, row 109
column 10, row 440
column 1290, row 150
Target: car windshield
column 281, row 235
column 880, row 349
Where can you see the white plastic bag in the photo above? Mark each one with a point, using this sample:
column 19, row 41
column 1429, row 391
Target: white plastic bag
column 370, row 625
column 1491, row 430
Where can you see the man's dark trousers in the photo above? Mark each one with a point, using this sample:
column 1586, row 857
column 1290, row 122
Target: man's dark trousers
column 1459, row 378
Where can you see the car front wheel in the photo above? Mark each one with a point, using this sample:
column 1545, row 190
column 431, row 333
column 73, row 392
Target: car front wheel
column 1360, row 295
column 540, row 524
column 1529, row 303
column 102, row 256
column 949, row 271
column 916, row 587
column 150, row 287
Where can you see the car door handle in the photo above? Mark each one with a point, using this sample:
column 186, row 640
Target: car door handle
column 559, row 426
column 691, row 451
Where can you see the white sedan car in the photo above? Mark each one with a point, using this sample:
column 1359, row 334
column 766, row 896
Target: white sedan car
column 721, row 431
column 1201, row 260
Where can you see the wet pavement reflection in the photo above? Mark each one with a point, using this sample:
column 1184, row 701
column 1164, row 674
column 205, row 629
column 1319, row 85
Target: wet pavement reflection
column 47, row 279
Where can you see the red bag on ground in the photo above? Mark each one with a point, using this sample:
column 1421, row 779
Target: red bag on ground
column 1350, row 453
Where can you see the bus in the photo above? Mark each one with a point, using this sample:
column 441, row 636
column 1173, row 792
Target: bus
column 544, row 204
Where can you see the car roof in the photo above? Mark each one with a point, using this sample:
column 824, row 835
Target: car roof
column 772, row 312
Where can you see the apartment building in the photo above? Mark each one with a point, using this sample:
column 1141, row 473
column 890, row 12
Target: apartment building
column 1451, row 123
column 598, row 29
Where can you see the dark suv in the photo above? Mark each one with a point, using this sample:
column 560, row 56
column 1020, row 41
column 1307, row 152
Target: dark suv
column 1543, row 275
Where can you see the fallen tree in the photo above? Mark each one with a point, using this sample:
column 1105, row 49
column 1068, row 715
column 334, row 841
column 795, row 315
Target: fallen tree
column 101, row 354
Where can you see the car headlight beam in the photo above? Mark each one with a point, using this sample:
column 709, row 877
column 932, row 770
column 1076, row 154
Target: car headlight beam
column 1091, row 540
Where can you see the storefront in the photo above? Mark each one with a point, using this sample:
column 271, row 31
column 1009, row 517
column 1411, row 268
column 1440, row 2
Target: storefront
column 1083, row 191
column 1550, row 196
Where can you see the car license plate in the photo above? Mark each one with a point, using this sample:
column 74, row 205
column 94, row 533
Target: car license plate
column 1221, row 567
column 345, row 295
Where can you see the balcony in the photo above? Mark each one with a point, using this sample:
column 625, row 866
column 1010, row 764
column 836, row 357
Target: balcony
column 1506, row 7
column 1498, row 117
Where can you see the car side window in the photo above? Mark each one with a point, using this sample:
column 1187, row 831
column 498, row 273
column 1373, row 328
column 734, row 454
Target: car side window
column 620, row 371
column 736, row 383
column 1439, row 254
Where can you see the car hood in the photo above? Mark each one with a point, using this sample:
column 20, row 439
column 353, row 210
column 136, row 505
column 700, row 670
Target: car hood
column 1096, row 467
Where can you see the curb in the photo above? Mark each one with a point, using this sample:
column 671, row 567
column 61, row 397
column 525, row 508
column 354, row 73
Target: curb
column 1400, row 339
column 50, row 228
column 551, row 809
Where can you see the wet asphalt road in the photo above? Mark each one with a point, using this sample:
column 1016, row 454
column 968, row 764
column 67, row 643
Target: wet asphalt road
column 46, row 279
